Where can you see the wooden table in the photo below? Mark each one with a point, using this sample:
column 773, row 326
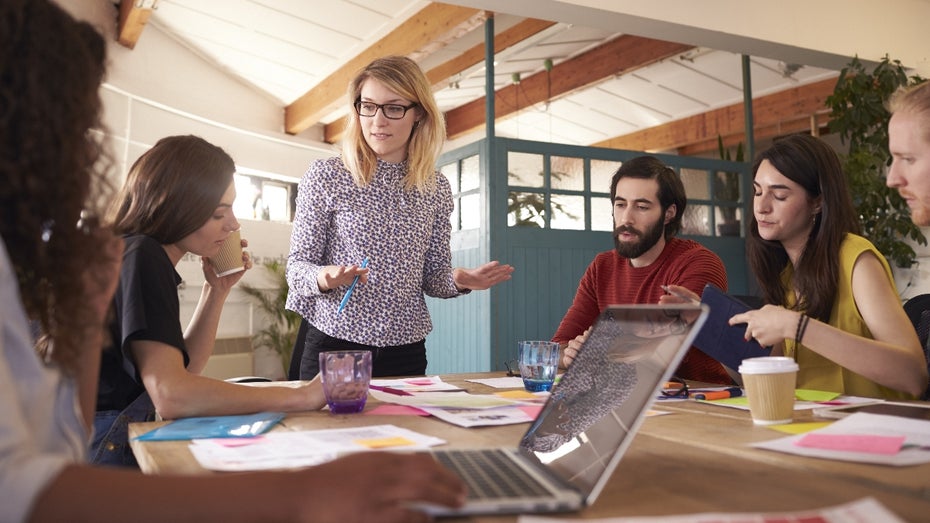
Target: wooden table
column 693, row 460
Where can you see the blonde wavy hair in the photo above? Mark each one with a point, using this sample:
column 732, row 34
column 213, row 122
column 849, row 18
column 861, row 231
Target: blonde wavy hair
column 915, row 100
column 403, row 76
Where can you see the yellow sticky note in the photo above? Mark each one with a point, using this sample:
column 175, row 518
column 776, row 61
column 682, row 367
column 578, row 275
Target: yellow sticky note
column 515, row 394
column 381, row 443
column 814, row 395
column 742, row 401
column 800, row 428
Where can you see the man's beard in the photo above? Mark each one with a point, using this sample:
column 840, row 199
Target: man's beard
column 635, row 249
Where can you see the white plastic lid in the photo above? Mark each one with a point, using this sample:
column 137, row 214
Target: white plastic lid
column 768, row 365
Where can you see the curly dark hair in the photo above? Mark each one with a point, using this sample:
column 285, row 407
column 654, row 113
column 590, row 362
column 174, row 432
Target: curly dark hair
column 52, row 163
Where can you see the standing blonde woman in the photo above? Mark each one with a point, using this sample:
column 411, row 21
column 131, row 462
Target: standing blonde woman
column 379, row 212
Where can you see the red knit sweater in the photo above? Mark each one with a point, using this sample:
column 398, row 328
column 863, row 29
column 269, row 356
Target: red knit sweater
column 611, row 280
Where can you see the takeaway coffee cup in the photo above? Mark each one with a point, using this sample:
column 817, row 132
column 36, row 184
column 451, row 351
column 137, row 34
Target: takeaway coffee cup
column 769, row 383
column 229, row 259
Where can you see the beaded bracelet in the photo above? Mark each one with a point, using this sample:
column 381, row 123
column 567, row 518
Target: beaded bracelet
column 802, row 326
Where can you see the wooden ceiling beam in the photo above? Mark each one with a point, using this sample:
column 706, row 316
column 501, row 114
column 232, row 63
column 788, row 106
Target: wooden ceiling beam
column 439, row 76
column 417, row 36
column 621, row 55
column 780, row 113
column 133, row 16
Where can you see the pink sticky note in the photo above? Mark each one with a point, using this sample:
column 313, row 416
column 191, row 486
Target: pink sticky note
column 866, row 443
column 237, row 442
column 419, row 381
column 397, row 410
column 531, row 410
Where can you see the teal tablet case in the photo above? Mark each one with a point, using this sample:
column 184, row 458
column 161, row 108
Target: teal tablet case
column 240, row 426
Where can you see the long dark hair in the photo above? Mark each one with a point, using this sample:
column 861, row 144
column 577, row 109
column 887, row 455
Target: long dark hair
column 52, row 165
column 172, row 189
column 813, row 165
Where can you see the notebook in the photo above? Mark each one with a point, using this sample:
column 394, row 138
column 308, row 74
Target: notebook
column 718, row 339
column 569, row 452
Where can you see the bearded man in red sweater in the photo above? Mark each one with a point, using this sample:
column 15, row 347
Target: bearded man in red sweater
column 649, row 202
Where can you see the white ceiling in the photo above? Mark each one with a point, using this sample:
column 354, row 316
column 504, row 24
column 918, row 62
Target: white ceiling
column 286, row 47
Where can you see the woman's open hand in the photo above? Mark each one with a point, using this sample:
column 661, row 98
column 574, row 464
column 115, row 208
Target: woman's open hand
column 483, row 277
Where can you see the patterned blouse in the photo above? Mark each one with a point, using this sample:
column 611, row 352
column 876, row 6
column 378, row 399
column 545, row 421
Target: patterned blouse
column 403, row 233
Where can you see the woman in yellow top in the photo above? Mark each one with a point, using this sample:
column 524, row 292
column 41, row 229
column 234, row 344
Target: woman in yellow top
column 833, row 305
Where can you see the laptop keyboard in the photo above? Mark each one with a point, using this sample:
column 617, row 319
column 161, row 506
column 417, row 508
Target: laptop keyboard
column 490, row 474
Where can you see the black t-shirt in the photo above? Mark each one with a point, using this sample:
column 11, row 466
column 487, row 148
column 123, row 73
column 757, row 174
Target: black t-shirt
column 145, row 307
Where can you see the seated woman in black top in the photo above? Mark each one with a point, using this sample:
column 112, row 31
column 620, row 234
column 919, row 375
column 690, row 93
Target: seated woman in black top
column 177, row 199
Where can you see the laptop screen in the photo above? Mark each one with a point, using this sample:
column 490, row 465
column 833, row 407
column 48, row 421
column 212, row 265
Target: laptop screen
column 598, row 404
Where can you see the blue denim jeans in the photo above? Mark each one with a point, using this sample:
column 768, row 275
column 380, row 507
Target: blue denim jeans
column 110, row 445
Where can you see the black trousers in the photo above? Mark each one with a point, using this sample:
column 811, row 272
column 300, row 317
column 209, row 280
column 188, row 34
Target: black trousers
column 394, row 360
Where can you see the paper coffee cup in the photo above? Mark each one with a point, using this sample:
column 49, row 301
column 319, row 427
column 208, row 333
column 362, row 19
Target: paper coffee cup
column 229, row 259
column 769, row 383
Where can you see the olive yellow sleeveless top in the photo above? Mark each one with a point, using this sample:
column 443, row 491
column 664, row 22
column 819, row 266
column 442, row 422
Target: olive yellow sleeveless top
column 819, row 373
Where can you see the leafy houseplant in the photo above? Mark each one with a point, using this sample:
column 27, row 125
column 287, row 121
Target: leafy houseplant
column 528, row 209
column 860, row 116
column 281, row 330
column 726, row 189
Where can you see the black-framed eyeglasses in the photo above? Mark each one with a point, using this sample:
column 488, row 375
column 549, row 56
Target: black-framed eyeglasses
column 513, row 368
column 675, row 388
column 390, row 111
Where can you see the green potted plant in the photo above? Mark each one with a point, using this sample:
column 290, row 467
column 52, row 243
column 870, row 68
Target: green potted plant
column 280, row 332
column 528, row 209
column 726, row 189
column 860, row 117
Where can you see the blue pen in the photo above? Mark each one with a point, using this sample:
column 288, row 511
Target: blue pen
column 345, row 299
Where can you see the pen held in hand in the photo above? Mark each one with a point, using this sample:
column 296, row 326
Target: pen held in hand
column 345, row 299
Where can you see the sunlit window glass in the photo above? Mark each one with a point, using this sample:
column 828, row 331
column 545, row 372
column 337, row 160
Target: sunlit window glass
column 260, row 197
column 567, row 212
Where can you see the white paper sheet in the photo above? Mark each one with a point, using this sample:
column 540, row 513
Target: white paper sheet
column 865, row 509
column 481, row 417
column 296, row 449
column 458, row 400
column 504, row 382
column 916, row 449
column 417, row 384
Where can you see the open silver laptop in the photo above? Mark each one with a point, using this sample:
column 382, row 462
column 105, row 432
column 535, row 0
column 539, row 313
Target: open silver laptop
column 569, row 453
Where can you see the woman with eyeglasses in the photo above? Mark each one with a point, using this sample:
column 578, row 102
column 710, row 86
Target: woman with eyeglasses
column 371, row 232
